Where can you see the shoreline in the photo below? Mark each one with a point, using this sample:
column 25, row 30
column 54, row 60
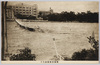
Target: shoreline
column 54, row 21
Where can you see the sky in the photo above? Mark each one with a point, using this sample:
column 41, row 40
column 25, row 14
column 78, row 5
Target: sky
column 59, row 6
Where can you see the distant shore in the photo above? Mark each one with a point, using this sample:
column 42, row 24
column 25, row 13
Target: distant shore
column 12, row 20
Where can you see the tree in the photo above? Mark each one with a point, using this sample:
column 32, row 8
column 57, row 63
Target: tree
column 20, row 16
column 91, row 54
column 25, row 54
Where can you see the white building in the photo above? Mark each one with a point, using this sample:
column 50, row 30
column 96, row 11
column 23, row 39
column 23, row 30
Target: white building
column 22, row 9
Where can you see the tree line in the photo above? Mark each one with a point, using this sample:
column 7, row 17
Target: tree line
column 66, row 17
column 71, row 16
column 20, row 16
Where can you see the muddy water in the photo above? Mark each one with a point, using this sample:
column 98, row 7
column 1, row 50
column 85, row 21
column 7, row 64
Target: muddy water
column 70, row 37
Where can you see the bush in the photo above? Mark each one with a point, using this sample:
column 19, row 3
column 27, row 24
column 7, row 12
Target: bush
column 20, row 16
column 85, row 55
column 71, row 16
column 91, row 54
column 25, row 54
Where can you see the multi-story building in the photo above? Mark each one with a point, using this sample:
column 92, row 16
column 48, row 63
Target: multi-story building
column 22, row 9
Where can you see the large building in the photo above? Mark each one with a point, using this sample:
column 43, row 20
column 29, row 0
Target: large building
column 22, row 9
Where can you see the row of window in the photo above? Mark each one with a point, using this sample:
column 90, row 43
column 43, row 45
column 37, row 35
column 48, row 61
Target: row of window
column 26, row 7
column 22, row 10
column 22, row 7
column 26, row 13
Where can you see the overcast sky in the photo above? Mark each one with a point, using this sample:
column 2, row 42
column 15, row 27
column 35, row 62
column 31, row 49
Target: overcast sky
column 59, row 6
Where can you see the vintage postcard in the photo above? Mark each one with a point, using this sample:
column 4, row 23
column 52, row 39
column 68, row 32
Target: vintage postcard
column 50, row 32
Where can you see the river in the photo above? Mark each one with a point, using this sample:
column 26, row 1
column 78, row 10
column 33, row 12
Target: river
column 69, row 38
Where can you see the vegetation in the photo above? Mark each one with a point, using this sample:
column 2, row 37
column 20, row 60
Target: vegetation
column 71, row 16
column 66, row 16
column 25, row 16
column 86, row 55
column 91, row 54
column 25, row 54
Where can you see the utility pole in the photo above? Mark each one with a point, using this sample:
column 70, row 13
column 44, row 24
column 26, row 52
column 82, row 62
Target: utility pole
column 4, row 30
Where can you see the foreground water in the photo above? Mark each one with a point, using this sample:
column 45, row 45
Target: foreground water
column 70, row 37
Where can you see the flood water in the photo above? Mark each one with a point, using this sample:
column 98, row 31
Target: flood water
column 70, row 38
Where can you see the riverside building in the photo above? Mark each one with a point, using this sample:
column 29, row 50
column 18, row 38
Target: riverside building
column 22, row 9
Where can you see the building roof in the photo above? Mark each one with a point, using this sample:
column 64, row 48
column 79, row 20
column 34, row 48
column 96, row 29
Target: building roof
column 23, row 4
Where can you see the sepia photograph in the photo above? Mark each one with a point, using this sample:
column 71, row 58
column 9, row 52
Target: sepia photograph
column 50, row 31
